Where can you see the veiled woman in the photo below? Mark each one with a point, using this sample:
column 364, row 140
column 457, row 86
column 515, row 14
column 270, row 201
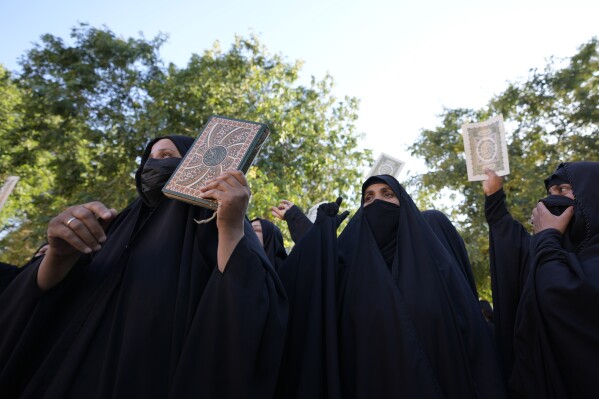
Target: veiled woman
column 397, row 317
column 153, row 306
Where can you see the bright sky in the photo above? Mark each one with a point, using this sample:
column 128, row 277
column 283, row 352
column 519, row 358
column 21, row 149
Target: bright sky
column 405, row 61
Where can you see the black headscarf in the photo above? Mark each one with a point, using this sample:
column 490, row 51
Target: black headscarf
column 556, row 341
column 183, row 144
column 415, row 330
column 149, row 315
column 274, row 245
column 453, row 243
column 558, row 177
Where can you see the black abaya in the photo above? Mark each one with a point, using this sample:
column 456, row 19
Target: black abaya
column 410, row 330
column 556, row 335
column 446, row 232
column 415, row 330
column 149, row 315
column 274, row 247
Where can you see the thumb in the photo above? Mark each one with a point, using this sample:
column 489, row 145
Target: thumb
column 107, row 218
column 339, row 200
column 568, row 213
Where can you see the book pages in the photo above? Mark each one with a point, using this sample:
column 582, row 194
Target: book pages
column 485, row 146
column 386, row 165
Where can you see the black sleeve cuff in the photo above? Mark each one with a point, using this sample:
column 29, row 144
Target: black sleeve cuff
column 495, row 207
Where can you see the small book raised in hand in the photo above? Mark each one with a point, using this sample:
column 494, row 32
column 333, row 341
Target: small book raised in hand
column 223, row 144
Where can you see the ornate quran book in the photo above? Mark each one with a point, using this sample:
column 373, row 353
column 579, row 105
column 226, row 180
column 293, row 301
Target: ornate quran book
column 485, row 147
column 223, row 144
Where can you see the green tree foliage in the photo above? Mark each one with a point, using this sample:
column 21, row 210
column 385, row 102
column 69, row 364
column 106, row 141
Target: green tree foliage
column 10, row 120
column 550, row 117
column 311, row 152
column 81, row 113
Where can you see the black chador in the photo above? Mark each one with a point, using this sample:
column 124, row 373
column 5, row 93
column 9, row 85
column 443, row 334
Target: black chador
column 546, row 291
column 149, row 315
column 274, row 247
column 384, row 311
column 446, row 232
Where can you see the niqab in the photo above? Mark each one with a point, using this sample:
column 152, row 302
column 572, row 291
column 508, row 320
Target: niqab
column 149, row 315
column 390, row 320
column 556, row 340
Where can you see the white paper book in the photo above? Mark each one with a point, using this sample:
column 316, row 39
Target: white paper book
column 485, row 147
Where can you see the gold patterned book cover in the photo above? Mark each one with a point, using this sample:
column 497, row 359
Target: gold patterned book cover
column 223, row 144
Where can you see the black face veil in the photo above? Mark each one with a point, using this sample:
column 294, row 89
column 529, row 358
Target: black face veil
column 414, row 329
column 149, row 315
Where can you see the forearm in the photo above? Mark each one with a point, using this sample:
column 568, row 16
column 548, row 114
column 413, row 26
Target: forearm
column 54, row 269
column 495, row 207
column 227, row 242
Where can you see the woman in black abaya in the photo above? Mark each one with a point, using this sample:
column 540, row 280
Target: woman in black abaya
column 166, row 307
column 395, row 317
column 546, row 286
column 409, row 324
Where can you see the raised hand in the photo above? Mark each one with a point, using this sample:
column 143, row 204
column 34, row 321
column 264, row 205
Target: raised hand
column 79, row 229
column 280, row 210
column 232, row 193
column 543, row 219
column 493, row 183
column 330, row 209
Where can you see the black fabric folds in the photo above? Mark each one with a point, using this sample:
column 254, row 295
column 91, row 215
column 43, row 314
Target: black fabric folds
column 7, row 274
column 149, row 315
column 310, row 368
column 274, row 246
column 556, row 340
column 297, row 223
column 509, row 245
column 415, row 331
column 453, row 243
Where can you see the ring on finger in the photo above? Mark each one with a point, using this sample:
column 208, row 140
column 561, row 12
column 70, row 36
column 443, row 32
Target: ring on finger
column 70, row 221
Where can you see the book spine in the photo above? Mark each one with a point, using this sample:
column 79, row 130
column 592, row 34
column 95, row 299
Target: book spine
column 259, row 140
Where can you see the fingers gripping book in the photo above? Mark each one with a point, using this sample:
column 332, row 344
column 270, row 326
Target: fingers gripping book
column 223, row 144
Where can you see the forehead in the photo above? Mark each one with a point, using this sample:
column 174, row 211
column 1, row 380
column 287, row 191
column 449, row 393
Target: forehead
column 163, row 144
column 377, row 187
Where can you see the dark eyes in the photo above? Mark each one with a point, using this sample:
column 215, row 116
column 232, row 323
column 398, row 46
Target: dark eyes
column 166, row 154
column 565, row 189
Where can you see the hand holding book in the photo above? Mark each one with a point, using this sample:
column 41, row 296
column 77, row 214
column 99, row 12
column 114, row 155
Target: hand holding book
column 231, row 191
